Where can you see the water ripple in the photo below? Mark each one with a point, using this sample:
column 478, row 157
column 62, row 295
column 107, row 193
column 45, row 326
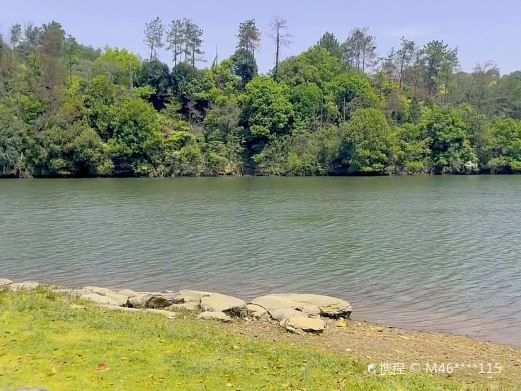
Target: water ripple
column 436, row 253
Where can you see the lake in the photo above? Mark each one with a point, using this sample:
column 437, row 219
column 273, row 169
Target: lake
column 437, row 253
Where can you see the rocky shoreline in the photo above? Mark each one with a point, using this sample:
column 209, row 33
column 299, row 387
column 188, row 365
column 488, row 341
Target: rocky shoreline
column 297, row 313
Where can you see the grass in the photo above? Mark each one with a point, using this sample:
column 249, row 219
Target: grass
column 48, row 340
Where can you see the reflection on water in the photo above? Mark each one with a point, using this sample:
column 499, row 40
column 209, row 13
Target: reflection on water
column 440, row 253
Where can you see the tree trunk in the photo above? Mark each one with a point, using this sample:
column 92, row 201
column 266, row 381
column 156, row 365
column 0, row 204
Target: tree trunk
column 277, row 52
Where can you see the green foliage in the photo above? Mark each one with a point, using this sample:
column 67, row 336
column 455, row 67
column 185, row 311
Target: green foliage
column 367, row 142
column 315, row 65
column 71, row 110
column 267, row 108
column 120, row 66
column 351, row 91
column 329, row 42
column 244, row 65
column 504, row 146
column 135, row 130
column 451, row 151
column 307, row 104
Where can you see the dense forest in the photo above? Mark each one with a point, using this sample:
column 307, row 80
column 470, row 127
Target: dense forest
column 339, row 108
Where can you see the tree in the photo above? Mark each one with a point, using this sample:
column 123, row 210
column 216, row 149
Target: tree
column 349, row 92
column 281, row 37
column 32, row 37
column 508, row 98
column 72, row 55
column 156, row 74
column 154, row 31
column 136, row 130
column 249, row 36
column 307, row 104
column 244, row 65
column 193, row 42
column 15, row 35
column 360, row 49
column 329, row 42
column 439, row 64
column 176, row 38
column 53, row 43
column 267, row 108
column 404, row 58
column 504, row 146
column 367, row 142
column 119, row 65
column 315, row 65
column 448, row 133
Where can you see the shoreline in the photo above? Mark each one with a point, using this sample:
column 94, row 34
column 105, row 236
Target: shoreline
column 332, row 330
column 331, row 175
column 101, row 291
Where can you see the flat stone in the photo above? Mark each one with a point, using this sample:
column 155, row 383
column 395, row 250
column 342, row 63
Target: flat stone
column 26, row 285
column 105, row 295
column 5, row 282
column 102, row 299
column 98, row 290
column 187, row 296
column 304, row 325
column 214, row 315
column 257, row 312
column 216, row 302
column 286, row 305
column 128, row 292
column 285, row 313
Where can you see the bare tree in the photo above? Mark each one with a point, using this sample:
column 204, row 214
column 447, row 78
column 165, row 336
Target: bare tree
column 279, row 27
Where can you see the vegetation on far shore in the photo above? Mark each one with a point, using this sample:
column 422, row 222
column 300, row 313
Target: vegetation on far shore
column 52, row 340
column 340, row 107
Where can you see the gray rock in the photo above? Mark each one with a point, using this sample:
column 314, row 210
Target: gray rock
column 216, row 302
column 101, row 299
column 128, row 292
column 107, row 296
column 285, row 313
column 304, row 325
column 257, row 312
column 98, row 290
column 213, row 315
column 187, row 296
column 287, row 305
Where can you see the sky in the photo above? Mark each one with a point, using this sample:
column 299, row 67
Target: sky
column 482, row 30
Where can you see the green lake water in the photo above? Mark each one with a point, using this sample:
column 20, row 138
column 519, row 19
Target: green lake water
column 438, row 253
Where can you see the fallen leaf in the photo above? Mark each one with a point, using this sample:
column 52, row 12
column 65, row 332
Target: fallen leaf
column 102, row 367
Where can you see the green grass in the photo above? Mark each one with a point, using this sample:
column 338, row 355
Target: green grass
column 46, row 342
